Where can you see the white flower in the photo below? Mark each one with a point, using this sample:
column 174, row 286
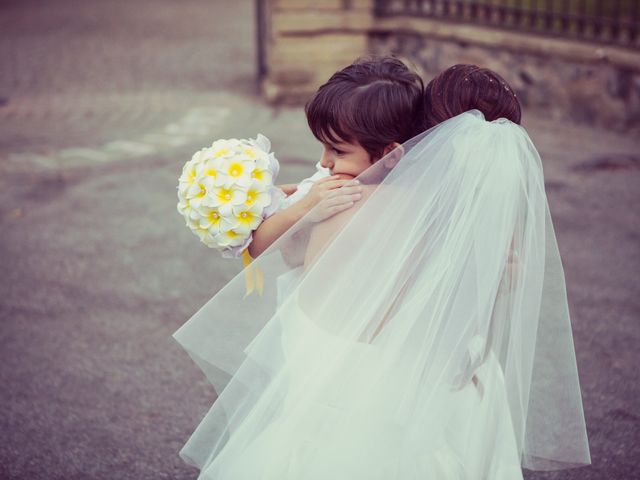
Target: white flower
column 246, row 219
column 261, row 142
column 189, row 174
column 237, row 171
column 226, row 190
column 257, row 194
column 210, row 167
column 196, row 193
column 184, row 206
column 264, row 145
column 225, row 198
column 230, row 238
column 199, row 156
column 205, row 236
column 211, row 220
column 262, row 171
column 223, row 148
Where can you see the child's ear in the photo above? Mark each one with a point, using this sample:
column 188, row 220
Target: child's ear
column 390, row 161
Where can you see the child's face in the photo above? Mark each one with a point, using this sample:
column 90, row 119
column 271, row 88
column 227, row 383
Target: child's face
column 345, row 158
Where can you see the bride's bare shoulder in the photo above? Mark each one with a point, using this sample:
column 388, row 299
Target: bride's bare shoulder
column 336, row 221
column 367, row 190
column 323, row 232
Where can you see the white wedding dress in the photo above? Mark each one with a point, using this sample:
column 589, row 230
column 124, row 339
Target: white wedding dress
column 346, row 446
column 429, row 339
column 331, row 440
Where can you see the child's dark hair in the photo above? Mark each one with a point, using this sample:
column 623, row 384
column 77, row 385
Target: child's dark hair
column 466, row 87
column 375, row 101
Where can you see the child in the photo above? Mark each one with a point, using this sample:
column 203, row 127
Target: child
column 359, row 115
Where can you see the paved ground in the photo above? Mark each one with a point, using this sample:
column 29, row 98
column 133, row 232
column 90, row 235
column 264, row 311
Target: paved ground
column 101, row 104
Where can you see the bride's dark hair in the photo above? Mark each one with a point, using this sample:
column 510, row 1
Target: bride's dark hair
column 466, row 87
column 375, row 100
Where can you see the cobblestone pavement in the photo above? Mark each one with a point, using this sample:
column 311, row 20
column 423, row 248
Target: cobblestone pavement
column 102, row 102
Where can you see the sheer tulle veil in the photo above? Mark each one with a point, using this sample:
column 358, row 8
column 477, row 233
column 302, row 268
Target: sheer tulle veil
column 445, row 276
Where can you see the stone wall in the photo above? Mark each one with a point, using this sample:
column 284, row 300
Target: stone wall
column 308, row 40
column 567, row 80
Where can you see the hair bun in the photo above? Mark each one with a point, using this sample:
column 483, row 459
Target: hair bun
column 463, row 87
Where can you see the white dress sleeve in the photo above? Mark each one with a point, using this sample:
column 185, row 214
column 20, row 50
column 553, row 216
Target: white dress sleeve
column 305, row 185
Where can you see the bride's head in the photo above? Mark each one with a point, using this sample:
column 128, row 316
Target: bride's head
column 467, row 87
column 364, row 111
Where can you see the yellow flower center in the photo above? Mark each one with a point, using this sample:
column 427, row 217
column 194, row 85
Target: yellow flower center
column 244, row 214
column 250, row 152
column 235, row 170
column 224, row 195
column 258, row 174
column 214, row 217
column 221, row 152
column 251, row 197
column 203, row 191
column 232, row 234
column 212, row 172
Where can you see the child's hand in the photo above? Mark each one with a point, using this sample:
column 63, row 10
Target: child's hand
column 329, row 196
column 288, row 188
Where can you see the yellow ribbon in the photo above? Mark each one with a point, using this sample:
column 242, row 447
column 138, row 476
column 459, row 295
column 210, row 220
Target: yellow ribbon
column 252, row 283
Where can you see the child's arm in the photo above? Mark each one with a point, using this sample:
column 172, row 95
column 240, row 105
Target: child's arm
column 273, row 227
column 288, row 188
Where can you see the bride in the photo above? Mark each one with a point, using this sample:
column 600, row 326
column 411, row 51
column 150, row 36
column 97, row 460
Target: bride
column 422, row 334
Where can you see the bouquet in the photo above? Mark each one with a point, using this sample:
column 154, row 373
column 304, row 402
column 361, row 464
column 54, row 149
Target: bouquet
column 226, row 191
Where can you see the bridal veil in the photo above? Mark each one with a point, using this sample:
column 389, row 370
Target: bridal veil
column 445, row 279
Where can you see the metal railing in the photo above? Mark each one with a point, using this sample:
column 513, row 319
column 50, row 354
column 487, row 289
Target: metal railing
column 601, row 21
